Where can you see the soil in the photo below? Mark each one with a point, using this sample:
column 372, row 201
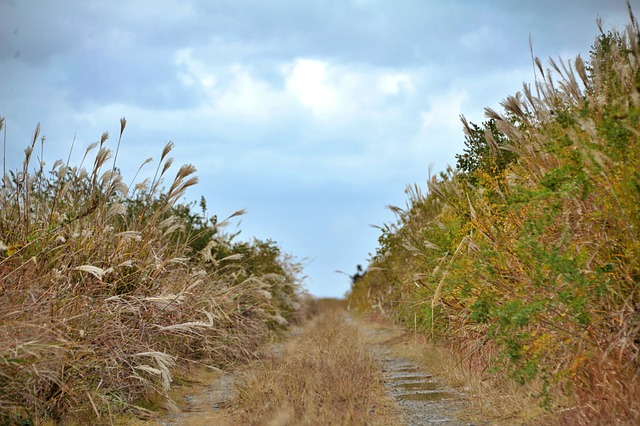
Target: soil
column 204, row 405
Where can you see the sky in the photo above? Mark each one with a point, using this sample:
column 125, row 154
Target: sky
column 313, row 115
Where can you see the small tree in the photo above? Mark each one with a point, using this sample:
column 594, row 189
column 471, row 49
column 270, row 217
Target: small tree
column 482, row 155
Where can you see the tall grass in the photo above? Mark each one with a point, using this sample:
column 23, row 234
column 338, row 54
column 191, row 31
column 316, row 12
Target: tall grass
column 107, row 288
column 531, row 248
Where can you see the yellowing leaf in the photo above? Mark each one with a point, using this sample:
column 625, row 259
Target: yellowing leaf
column 13, row 249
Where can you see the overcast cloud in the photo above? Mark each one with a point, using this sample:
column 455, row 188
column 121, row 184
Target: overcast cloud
column 313, row 115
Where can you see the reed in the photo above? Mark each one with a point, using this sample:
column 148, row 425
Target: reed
column 108, row 289
column 527, row 254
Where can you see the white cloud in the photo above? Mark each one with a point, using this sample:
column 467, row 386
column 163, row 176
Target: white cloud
column 191, row 72
column 308, row 81
column 248, row 96
column 235, row 92
column 332, row 93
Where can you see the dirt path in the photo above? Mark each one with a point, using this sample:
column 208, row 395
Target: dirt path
column 416, row 396
column 422, row 397
column 204, row 405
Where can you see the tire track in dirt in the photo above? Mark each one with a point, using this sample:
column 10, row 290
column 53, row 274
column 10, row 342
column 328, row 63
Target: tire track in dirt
column 209, row 403
column 206, row 405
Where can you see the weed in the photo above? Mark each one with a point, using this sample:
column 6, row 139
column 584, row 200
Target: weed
column 326, row 375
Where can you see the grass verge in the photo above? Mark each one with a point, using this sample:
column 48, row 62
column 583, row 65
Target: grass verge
column 108, row 289
column 525, row 259
column 489, row 399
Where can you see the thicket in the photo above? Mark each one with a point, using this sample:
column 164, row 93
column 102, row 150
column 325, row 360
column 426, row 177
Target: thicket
column 108, row 289
column 530, row 247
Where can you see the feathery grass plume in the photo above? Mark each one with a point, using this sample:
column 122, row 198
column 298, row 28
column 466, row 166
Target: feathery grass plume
column 167, row 165
column 99, row 273
column 155, row 182
column 164, row 363
column 105, row 297
column 536, row 268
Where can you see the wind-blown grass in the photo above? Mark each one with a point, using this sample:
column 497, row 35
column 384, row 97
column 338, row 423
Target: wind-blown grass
column 530, row 249
column 107, row 288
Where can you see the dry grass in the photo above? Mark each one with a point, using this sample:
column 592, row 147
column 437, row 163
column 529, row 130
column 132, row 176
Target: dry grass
column 326, row 375
column 526, row 259
column 105, row 293
column 488, row 398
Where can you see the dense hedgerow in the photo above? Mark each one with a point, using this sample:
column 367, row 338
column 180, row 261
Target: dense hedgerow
column 532, row 244
column 107, row 289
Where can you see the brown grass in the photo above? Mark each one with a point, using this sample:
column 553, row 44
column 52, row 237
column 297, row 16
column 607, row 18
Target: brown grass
column 105, row 294
column 326, row 375
column 489, row 398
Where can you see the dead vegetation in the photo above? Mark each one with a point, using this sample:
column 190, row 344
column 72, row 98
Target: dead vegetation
column 326, row 375
column 107, row 289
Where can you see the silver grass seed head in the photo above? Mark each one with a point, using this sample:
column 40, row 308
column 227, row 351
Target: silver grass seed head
column 539, row 65
column 36, row 133
column 492, row 114
column 142, row 186
column 57, row 164
column 488, row 135
column 103, row 155
column 167, row 148
column 513, row 105
column 238, row 213
column 90, row 148
column 466, row 127
column 185, row 170
column 190, row 182
column 167, row 165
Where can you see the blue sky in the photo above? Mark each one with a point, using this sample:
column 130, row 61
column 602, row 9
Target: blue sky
column 313, row 115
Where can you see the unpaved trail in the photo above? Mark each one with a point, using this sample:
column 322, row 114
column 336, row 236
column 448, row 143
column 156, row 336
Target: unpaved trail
column 207, row 400
column 420, row 397
column 204, row 405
